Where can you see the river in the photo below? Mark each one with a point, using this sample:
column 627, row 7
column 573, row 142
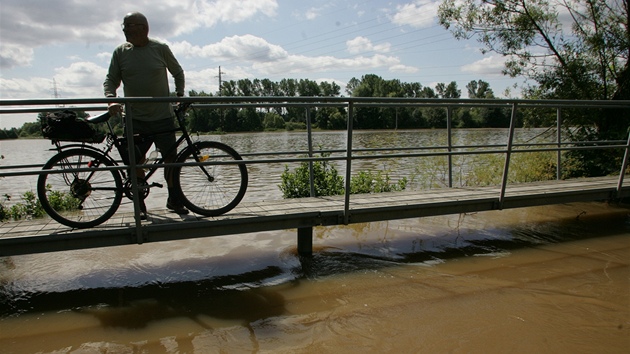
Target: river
column 552, row 279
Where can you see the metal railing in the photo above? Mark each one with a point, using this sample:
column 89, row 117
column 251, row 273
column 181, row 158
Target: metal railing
column 349, row 154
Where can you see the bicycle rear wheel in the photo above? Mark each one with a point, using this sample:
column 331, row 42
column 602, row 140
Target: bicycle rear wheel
column 210, row 190
column 79, row 199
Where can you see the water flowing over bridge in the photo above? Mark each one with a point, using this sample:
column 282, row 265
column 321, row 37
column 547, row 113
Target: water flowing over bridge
column 125, row 227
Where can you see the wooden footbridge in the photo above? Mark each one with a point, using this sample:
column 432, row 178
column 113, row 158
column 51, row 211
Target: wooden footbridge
column 46, row 235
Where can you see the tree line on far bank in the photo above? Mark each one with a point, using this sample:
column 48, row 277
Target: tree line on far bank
column 335, row 118
column 332, row 118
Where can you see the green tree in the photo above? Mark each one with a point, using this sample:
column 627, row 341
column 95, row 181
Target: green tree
column 249, row 120
column 330, row 118
column 288, row 87
column 245, row 87
column 31, row 129
column 479, row 89
column 273, row 121
column 228, row 88
column 352, row 85
column 329, row 88
column 375, row 86
column 492, row 117
column 587, row 59
column 448, row 91
column 204, row 120
column 308, row 88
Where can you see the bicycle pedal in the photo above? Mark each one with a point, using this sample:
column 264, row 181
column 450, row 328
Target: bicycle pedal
column 155, row 184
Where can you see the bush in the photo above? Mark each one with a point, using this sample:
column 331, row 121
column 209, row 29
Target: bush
column 62, row 201
column 327, row 181
column 325, row 178
column 524, row 167
column 368, row 182
column 31, row 207
column 295, row 126
column 4, row 212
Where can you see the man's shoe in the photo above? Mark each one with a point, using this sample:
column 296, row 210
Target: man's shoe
column 143, row 210
column 176, row 207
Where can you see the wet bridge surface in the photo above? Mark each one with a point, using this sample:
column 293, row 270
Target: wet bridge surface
column 46, row 235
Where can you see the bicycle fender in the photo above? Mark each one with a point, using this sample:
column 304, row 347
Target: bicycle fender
column 88, row 147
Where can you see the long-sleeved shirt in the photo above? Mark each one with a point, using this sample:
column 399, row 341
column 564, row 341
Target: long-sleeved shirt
column 142, row 70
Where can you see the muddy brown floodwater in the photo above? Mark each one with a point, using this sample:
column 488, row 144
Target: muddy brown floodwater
column 552, row 279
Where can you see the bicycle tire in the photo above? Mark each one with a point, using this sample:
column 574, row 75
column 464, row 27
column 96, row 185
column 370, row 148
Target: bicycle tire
column 215, row 195
column 80, row 199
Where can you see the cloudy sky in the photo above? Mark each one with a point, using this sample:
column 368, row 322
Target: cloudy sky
column 62, row 48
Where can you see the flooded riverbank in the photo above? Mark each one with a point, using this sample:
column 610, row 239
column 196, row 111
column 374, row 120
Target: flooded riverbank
column 546, row 279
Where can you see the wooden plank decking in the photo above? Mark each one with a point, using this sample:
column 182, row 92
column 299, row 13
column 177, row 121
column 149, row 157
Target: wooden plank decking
column 46, row 235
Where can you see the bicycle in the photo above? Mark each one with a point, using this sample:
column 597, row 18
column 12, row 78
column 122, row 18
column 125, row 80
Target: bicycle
column 83, row 187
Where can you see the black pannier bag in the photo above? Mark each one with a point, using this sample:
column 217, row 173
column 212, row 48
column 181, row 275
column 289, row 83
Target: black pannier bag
column 66, row 126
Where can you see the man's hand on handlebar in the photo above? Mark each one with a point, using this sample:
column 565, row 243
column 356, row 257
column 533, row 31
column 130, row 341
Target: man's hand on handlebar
column 114, row 109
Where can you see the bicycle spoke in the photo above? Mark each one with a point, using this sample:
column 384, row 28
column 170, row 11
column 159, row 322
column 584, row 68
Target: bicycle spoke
column 215, row 188
column 79, row 198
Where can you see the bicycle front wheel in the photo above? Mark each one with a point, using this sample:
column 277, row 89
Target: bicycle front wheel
column 79, row 199
column 211, row 189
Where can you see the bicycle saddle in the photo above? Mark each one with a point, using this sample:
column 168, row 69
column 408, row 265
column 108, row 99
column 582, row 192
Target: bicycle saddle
column 103, row 117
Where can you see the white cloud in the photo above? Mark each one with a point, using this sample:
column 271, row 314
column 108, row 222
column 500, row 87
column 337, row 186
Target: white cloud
column 33, row 87
column 104, row 56
column 361, row 44
column 295, row 64
column 246, row 56
column 418, row 14
column 247, row 48
column 210, row 13
column 491, row 65
column 399, row 68
column 270, row 59
column 81, row 79
column 313, row 12
column 12, row 55
column 26, row 26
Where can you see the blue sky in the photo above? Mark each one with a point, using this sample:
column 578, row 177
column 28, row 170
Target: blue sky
column 63, row 47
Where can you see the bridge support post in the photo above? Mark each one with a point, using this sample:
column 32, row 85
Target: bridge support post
column 305, row 241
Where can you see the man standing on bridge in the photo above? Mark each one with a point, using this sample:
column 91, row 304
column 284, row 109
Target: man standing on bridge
column 141, row 65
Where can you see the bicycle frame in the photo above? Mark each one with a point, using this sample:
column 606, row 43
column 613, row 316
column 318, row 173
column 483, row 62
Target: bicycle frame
column 113, row 140
column 160, row 160
column 180, row 112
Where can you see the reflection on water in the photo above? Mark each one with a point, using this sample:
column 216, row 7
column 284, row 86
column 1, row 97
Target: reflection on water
column 544, row 279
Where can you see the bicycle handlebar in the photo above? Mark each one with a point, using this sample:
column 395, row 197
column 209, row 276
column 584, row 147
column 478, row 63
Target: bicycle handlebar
column 104, row 117
column 181, row 108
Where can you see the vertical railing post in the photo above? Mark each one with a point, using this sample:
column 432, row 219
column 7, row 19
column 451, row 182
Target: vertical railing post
column 346, row 206
column 559, row 140
column 309, row 133
column 624, row 165
column 133, row 174
column 508, row 155
column 449, row 139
